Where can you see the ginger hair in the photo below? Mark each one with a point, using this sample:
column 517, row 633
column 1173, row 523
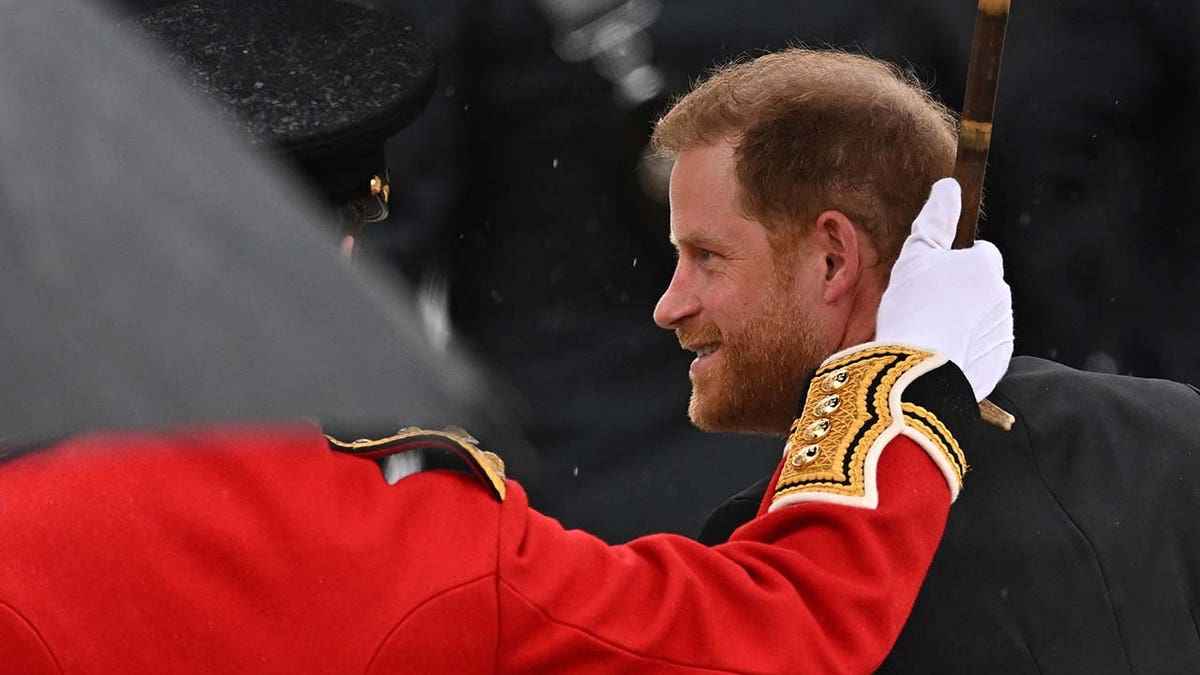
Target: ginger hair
column 816, row 130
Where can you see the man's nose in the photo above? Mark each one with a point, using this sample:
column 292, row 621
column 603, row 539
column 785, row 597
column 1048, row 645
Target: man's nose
column 677, row 303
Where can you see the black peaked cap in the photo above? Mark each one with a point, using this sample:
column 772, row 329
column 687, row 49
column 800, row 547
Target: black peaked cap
column 325, row 83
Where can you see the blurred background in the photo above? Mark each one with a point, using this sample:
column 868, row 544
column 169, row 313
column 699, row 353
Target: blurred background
column 528, row 216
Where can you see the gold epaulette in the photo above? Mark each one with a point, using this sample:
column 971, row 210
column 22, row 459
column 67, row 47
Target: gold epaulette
column 487, row 465
column 852, row 411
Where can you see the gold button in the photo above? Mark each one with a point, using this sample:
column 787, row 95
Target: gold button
column 816, row 430
column 827, row 405
column 806, row 455
column 836, row 380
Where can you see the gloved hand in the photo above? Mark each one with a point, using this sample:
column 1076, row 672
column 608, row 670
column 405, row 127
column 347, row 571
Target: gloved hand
column 952, row 301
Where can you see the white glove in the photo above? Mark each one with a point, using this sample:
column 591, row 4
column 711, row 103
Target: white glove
column 952, row 301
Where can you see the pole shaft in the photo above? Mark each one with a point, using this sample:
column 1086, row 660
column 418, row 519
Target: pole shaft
column 975, row 134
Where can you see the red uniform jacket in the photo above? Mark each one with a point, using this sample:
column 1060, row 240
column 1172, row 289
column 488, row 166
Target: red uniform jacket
column 263, row 550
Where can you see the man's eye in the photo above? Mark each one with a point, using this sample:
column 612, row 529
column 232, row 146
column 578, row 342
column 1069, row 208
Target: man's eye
column 704, row 255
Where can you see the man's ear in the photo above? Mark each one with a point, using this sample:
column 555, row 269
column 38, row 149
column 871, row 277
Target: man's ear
column 843, row 246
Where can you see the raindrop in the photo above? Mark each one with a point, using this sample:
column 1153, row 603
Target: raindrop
column 554, row 163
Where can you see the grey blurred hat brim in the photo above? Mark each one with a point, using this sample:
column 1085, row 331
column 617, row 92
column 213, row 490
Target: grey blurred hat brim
column 154, row 272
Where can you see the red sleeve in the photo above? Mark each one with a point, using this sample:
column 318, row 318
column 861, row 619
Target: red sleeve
column 24, row 650
column 810, row 588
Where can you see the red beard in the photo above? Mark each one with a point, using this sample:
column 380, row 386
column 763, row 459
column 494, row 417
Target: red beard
column 753, row 383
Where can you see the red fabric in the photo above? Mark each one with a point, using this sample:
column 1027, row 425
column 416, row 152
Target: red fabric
column 260, row 550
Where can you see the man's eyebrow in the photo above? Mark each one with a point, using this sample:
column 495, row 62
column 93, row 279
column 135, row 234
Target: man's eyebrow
column 694, row 241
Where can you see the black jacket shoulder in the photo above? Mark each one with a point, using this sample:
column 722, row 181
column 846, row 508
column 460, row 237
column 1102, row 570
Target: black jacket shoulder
column 1074, row 544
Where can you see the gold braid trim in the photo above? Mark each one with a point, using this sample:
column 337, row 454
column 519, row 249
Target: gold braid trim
column 852, row 411
column 487, row 465
column 939, row 437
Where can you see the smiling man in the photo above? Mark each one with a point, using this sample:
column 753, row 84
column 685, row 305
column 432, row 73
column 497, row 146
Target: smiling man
column 734, row 302
column 796, row 179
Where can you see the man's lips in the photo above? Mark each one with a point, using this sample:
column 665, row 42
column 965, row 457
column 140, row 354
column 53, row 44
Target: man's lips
column 703, row 339
column 704, row 353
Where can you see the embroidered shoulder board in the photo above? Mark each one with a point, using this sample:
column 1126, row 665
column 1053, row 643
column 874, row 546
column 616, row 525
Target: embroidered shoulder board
column 486, row 465
column 853, row 409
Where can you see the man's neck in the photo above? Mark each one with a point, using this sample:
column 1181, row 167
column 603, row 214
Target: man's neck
column 860, row 324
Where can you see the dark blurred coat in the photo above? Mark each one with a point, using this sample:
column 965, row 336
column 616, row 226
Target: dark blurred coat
column 1091, row 186
column 1074, row 547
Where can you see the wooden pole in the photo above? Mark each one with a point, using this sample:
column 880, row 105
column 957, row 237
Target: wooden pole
column 974, row 139
column 975, row 134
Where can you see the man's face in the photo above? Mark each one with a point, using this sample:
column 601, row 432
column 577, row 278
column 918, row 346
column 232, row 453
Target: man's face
column 751, row 314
